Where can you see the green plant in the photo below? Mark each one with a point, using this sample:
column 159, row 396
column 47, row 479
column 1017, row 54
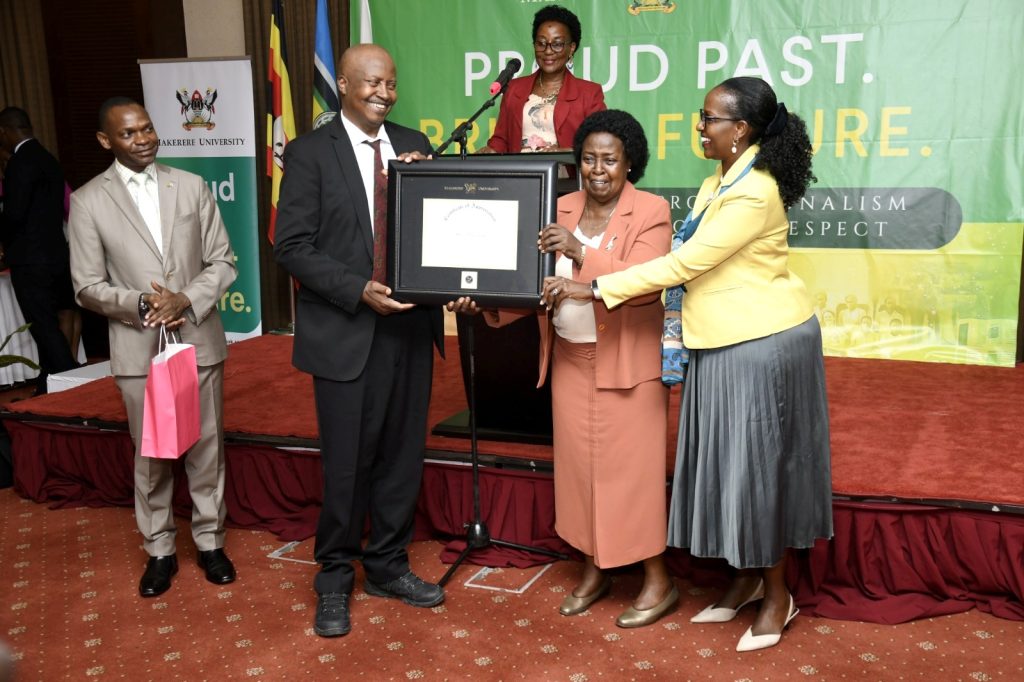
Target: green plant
column 8, row 359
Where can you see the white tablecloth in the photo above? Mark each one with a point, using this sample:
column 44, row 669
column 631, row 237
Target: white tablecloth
column 56, row 383
column 21, row 344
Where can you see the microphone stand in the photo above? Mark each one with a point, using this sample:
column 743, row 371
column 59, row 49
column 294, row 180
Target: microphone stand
column 477, row 534
column 460, row 132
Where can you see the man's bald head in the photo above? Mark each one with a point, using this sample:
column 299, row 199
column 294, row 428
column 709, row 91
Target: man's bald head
column 355, row 53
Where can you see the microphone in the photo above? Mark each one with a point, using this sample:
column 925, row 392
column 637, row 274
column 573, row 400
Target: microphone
column 505, row 76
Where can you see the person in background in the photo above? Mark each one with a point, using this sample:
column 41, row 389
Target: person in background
column 609, row 405
column 371, row 357
column 5, row 156
column 34, row 247
column 541, row 112
column 753, row 465
column 149, row 249
column 70, row 319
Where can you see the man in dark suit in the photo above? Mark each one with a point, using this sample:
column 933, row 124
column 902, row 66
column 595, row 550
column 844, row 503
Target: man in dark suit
column 149, row 248
column 32, row 233
column 371, row 357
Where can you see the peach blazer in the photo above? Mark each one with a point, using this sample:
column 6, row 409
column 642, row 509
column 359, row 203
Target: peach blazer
column 629, row 338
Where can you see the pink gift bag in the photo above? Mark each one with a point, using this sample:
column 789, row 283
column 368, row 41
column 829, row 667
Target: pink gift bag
column 170, row 415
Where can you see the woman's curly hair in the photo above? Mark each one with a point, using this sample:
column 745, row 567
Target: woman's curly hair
column 562, row 16
column 622, row 125
column 787, row 155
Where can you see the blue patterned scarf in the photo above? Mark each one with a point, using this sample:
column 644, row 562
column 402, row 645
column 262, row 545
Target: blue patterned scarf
column 674, row 355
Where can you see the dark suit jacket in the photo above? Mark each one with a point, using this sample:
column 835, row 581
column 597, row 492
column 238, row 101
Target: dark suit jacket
column 577, row 99
column 32, row 224
column 324, row 238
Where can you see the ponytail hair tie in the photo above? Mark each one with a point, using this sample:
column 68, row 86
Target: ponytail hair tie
column 778, row 123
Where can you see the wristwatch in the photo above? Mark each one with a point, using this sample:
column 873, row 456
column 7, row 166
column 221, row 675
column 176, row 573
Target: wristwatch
column 595, row 290
column 143, row 307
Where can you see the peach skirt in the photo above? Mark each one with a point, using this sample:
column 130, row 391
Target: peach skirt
column 609, row 449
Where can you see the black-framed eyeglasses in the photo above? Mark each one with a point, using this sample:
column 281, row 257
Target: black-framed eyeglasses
column 705, row 119
column 543, row 45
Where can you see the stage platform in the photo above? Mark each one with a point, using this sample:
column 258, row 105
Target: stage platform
column 927, row 472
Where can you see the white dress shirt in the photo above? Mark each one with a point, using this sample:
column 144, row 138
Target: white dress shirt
column 146, row 198
column 364, row 155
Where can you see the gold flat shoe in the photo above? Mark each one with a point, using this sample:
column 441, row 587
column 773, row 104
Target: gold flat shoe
column 636, row 618
column 573, row 605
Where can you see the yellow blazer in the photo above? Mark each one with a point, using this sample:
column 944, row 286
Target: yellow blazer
column 735, row 266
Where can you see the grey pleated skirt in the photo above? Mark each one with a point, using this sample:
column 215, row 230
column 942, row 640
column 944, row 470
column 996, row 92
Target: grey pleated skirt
column 753, row 469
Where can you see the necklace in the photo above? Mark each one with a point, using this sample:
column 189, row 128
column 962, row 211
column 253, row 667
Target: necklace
column 599, row 227
column 548, row 93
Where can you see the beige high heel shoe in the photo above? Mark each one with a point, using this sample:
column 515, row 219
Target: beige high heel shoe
column 751, row 642
column 720, row 614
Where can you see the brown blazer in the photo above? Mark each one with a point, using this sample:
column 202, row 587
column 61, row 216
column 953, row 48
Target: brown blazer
column 629, row 337
column 114, row 259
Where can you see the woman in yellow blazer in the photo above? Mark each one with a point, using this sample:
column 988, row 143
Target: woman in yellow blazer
column 609, row 406
column 753, row 470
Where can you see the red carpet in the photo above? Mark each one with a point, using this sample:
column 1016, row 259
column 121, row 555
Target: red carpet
column 887, row 563
column 904, row 430
column 70, row 612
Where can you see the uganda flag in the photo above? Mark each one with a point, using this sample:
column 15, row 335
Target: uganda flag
column 325, row 86
column 280, row 117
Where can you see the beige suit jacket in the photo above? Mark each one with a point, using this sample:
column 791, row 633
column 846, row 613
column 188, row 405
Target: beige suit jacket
column 114, row 258
column 735, row 266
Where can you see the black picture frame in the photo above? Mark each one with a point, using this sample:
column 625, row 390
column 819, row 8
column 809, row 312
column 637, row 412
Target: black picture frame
column 461, row 201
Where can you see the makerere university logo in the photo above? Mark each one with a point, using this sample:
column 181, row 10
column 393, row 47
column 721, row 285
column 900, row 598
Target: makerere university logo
column 638, row 6
column 198, row 109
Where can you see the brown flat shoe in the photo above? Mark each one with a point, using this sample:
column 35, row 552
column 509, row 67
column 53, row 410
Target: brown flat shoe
column 636, row 618
column 573, row 605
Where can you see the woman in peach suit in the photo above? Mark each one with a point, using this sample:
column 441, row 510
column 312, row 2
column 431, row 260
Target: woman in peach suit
column 609, row 405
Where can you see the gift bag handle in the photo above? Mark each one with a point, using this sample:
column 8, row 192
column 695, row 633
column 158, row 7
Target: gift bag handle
column 167, row 337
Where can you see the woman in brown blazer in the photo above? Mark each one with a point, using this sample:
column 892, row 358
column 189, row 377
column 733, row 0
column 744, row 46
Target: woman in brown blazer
column 609, row 405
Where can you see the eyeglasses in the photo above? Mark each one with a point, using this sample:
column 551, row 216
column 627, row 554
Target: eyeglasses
column 543, row 45
column 705, row 119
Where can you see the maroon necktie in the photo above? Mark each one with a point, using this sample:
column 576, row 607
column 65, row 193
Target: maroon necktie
column 380, row 215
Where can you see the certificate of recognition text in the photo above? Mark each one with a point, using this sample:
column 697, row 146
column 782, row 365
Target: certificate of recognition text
column 481, row 234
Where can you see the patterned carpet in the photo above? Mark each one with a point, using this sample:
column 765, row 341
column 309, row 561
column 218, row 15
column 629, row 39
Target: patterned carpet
column 70, row 610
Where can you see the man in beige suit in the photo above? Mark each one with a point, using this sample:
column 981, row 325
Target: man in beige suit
column 149, row 248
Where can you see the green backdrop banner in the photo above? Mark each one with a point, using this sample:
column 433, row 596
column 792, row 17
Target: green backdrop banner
column 203, row 112
column 911, row 240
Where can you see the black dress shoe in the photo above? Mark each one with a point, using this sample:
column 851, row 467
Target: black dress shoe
column 332, row 615
column 409, row 588
column 218, row 567
column 157, row 578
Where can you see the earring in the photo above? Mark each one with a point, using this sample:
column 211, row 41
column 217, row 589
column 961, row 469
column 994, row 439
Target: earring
column 568, row 64
column 734, row 146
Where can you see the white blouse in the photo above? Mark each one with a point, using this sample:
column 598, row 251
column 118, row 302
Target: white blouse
column 574, row 320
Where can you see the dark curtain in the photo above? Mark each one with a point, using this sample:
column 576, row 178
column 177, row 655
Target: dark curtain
column 24, row 67
column 299, row 36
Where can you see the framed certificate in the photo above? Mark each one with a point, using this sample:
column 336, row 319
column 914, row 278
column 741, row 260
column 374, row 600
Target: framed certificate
column 469, row 227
